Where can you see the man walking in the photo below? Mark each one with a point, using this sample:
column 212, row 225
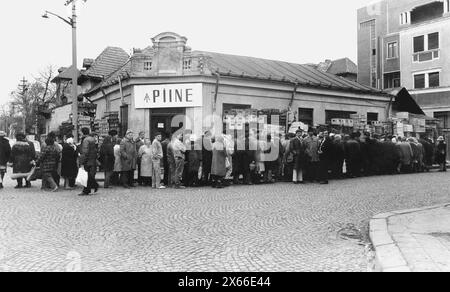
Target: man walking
column 88, row 160
column 157, row 156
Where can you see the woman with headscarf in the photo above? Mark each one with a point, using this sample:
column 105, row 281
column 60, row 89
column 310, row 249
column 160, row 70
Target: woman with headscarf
column 218, row 167
column 69, row 165
column 146, row 155
column 22, row 158
column 107, row 160
column 441, row 154
column 49, row 161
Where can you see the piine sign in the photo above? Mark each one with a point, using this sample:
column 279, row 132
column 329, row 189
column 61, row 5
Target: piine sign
column 168, row 95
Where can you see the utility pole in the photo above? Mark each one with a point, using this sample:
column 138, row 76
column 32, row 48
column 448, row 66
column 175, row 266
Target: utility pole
column 23, row 90
column 73, row 23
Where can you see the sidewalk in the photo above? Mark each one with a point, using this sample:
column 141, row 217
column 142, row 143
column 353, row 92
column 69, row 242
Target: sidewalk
column 413, row 240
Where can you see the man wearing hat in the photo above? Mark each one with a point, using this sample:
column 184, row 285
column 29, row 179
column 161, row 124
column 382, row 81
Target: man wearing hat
column 441, row 155
column 5, row 153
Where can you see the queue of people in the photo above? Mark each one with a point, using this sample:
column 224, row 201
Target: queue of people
column 190, row 161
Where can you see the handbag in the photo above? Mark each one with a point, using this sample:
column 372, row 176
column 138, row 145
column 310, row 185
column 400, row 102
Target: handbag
column 82, row 177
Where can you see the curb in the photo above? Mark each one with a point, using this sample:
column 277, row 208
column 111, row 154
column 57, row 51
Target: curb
column 389, row 257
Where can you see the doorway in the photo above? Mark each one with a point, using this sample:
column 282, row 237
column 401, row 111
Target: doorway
column 161, row 121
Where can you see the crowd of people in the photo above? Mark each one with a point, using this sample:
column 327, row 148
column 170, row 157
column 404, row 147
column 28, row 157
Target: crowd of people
column 184, row 160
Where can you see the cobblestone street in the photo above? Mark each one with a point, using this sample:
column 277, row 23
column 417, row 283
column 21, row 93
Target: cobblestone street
column 278, row 227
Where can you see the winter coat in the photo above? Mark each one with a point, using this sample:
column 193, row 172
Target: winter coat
column 326, row 150
column 157, row 150
column 194, row 157
column 146, row 156
column 69, row 167
column 312, row 146
column 21, row 157
column 441, row 152
column 106, row 157
column 406, row 153
column 179, row 149
column 128, row 155
column 88, row 155
column 117, row 159
column 5, row 151
column 298, row 149
column 352, row 151
column 49, row 159
column 219, row 155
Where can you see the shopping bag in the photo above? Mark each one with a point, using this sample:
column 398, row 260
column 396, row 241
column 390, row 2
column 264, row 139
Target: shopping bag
column 82, row 178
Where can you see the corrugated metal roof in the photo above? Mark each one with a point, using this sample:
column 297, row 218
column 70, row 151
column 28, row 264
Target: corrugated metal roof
column 278, row 70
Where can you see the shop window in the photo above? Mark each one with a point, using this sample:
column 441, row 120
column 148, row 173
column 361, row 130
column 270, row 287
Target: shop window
column 329, row 115
column 372, row 117
column 392, row 50
column 148, row 66
column 433, row 79
column 444, row 118
column 306, row 116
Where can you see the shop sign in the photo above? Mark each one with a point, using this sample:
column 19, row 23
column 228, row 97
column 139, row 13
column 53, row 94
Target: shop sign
column 168, row 96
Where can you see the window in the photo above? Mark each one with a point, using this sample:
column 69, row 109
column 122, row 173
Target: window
column 419, row 81
column 329, row 115
column 404, row 18
column 419, row 44
column 148, row 66
column 187, row 64
column 433, row 79
column 123, row 120
column 393, row 50
column 433, row 41
column 444, row 117
column 447, row 6
column 392, row 80
column 306, row 116
column 427, row 80
column 372, row 117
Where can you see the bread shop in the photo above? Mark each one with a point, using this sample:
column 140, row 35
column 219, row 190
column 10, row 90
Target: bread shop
column 168, row 86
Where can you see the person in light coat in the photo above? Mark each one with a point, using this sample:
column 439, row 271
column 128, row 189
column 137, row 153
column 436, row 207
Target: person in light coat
column 145, row 155
column 157, row 156
column 116, row 179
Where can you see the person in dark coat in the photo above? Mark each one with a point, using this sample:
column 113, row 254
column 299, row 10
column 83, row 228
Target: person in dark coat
column 218, row 166
column 88, row 160
column 128, row 158
column 22, row 158
column 194, row 161
column 353, row 157
column 428, row 153
column 165, row 145
column 390, row 156
column 69, row 165
column 338, row 157
column 206, row 158
column 298, row 149
column 107, row 160
column 441, row 154
column 139, row 143
column 325, row 155
column 49, row 161
column 5, row 153
column 242, row 158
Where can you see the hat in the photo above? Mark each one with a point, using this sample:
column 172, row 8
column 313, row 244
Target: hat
column 441, row 138
column 129, row 132
column 2, row 133
column 193, row 138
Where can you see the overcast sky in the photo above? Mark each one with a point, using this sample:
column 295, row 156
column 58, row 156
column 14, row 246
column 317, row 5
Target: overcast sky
column 300, row 31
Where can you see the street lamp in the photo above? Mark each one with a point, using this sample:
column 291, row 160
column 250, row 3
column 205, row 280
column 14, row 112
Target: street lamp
column 73, row 23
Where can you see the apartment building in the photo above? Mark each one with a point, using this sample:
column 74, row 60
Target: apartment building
column 406, row 43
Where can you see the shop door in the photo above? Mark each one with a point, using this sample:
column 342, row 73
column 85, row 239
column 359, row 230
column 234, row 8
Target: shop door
column 162, row 122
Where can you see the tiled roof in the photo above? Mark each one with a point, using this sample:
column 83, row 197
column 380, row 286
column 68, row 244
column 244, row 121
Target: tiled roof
column 343, row 66
column 107, row 62
column 240, row 66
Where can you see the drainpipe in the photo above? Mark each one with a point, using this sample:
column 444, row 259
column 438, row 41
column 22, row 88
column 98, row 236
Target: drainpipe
column 217, row 91
column 293, row 96
column 122, row 98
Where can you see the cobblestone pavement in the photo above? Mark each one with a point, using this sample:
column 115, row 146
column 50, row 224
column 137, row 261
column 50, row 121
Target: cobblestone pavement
column 278, row 227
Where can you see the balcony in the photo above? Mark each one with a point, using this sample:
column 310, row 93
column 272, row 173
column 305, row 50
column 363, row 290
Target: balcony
column 426, row 56
column 427, row 12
